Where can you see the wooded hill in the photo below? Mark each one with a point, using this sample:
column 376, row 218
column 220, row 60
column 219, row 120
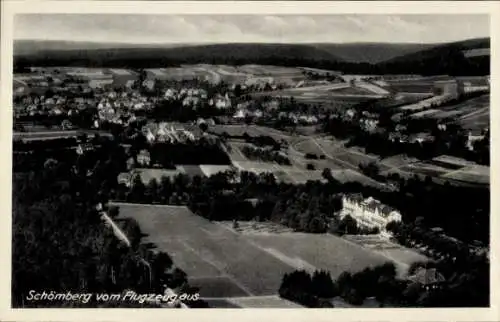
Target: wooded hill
column 427, row 59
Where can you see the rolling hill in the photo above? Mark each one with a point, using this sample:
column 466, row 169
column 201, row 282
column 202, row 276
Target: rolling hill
column 372, row 53
column 360, row 58
column 447, row 58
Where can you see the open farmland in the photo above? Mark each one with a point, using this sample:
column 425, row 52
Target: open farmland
column 311, row 252
column 222, row 262
column 348, row 175
column 191, row 170
column 473, row 174
column 227, row 264
column 476, row 121
column 398, row 160
column 399, row 254
column 467, row 109
column 352, row 91
column 266, row 70
column 411, row 86
column 248, row 74
column 425, row 168
column 272, row 301
column 326, row 94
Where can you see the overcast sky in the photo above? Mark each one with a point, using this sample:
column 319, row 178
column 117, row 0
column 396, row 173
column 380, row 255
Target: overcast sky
column 250, row 28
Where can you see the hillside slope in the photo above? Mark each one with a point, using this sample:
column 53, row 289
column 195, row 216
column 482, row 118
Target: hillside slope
column 161, row 56
column 425, row 59
column 443, row 59
column 372, row 53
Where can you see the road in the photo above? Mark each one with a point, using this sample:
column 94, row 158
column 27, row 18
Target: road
column 56, row 134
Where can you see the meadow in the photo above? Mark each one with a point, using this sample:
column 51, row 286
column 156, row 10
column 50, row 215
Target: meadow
column 228, row 264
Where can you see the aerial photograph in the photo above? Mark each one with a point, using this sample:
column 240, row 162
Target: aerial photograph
column 250, row 161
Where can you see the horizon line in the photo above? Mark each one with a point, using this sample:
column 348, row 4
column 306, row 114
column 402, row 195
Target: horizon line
column 246, row 42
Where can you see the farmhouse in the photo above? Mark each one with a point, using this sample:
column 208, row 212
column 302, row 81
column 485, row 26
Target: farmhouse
column 143, row 158
column 428, row 278
column 450, row 88
column 84, row 147
column 369, row 212
column 474, row 136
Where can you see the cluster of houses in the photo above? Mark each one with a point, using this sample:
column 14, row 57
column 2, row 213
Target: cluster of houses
column 194, row 97
column 116, row 107
column 166, row 132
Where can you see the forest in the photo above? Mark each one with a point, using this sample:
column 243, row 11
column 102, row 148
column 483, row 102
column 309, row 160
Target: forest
column 444, row 59
column 61, row 244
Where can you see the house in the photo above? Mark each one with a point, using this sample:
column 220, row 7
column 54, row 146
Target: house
column 144, row 158
column 84, row 148
column 427, row 278
column 126, row 178
column 401, row 128
column 451, row 88
column 368, row 124
column 421, row 137
column 472, row 137
column 149, row 84
column 369, row 212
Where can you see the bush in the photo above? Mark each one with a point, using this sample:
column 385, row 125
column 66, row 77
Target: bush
column 310, row 166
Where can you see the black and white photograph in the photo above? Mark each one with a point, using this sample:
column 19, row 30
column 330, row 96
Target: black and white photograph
column 328, row 160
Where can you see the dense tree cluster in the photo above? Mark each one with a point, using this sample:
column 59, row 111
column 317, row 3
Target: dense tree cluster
column 317, row 290
column 382, row 284
column 61, row 244
column 265, row 154
column 446, row 59
column 349, row 225
column 199, row 152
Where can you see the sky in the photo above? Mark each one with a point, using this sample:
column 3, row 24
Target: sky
column 153, row 29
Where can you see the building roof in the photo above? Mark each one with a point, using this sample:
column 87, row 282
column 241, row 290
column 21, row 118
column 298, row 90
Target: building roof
column 370, row 203
column 427, row 276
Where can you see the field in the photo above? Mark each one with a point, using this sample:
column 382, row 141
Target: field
column 426, row 169
column 469, row 110
column 347, row 175
column 411, row 86
column 191, row 170
column 247, row 74
column 398, row 160
column 352, row 91
column 327, row 94
column 471, row 114
column 311, row 252
column 477, row 121
column 404, row 256
column 273, row 301
column 473, row 174
column 235, row 153
column 209, row 170
column 423, row 103
column 226, row 264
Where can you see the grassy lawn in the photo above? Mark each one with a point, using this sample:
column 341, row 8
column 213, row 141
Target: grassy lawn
column 204, row 249
column 223, row 263
column 322, row 251
column 217, row 287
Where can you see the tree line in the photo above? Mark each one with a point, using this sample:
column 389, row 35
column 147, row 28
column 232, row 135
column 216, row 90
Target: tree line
column 266, row 155
column 465, row 285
